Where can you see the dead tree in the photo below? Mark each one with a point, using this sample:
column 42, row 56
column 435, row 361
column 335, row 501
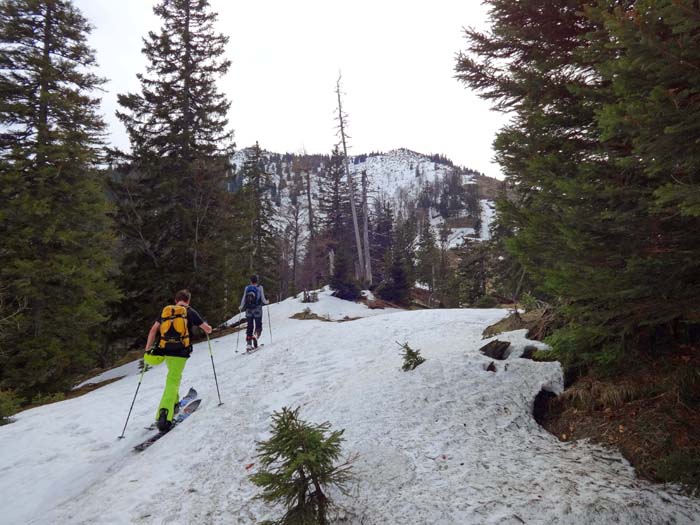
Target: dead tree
column 365, row 229
column 351, row 185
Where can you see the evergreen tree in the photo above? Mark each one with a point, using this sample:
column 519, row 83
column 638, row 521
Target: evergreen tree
column 56, row 241
column 472, row 273
column 174, row 211
column 261, row 248
column 342, row 281
column 654, row 82
column 298, row 468
column 336, row 235
column 597, row 92
column 381, row 237
column 411, row 358
column 400, row 272
column 334, row 204
column 395, row 287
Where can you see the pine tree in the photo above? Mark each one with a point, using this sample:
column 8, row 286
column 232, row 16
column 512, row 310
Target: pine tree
column 652, row 120
column 298, row 468
column 334, row 204
column 261, row 248
column 597, row 217
column 472, row 273
column 174, row 211
column 400, row 272
column 411, row 358
column 336, row 227
column 381, row 237
column 56, row 236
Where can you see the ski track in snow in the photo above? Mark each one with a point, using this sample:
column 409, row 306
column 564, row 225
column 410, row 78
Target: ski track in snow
column 447, row 443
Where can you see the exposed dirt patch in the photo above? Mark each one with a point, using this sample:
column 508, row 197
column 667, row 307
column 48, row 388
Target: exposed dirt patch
column 528, row 320
column 651, row 414
column 309, row 316
column 538, row 323
column 377, row 304
column 89, row 388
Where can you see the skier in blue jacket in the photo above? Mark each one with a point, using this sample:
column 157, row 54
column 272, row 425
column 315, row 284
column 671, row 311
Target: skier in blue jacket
column 252, row 302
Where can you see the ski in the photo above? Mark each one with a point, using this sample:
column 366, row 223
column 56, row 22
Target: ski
column 184, row 414
column 253, row 350
column 190, row 396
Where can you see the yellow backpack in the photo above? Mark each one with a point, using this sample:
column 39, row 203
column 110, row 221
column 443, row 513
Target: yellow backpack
column 174, row 334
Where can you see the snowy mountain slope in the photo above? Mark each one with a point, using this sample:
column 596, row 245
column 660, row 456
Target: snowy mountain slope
column 397, row 176
column 401, row 172
column 447, row 443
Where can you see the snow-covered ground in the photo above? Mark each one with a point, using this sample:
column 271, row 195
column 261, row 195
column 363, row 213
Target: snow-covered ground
column 119, row 371
column 448, row 443
column 488, row 215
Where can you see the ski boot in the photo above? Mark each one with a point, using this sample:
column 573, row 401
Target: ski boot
column 163, row 423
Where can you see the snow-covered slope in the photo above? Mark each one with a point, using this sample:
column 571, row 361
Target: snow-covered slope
column 447, row 443
column 400, row 173
column 397, row 177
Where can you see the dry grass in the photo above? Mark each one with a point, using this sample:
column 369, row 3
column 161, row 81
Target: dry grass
column 599, row 395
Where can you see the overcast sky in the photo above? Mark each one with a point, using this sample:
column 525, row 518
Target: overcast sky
column 397, row 61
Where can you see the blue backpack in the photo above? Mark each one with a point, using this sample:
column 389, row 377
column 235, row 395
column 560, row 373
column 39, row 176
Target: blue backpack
column 252, row 296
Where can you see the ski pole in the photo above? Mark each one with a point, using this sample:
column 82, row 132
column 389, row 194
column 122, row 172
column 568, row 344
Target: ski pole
column 238, row 332
column 133, row 400
column 212, row 365
column 269, row 323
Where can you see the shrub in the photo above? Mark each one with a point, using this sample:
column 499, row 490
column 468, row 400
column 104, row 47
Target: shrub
column 9, row 405
column 528, row 302
column 342, row 282
column 309, row 297
column 681, row 466
column 486, row 301
column 411, row 357
column 298, row 468
column 45, row 399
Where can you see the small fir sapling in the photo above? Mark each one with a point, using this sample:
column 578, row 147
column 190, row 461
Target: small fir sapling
column 298, row 468
column 411, row 357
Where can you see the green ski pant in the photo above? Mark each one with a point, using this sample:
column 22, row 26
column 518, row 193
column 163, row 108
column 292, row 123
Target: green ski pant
column 171, row 394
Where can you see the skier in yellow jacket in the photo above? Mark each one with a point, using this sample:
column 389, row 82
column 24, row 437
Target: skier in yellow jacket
column 174, row 327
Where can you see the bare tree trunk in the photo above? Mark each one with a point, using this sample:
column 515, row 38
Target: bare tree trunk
column 312, row 234
column 365, row 229
column 296, row 234
column 351, row 185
